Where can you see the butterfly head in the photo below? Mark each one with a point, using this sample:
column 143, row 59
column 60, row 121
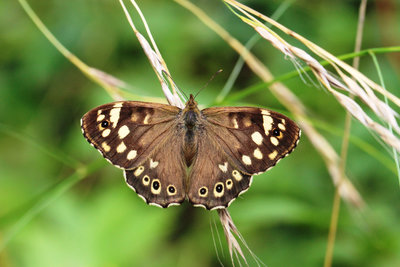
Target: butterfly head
column 191, row 104
column 191, row 112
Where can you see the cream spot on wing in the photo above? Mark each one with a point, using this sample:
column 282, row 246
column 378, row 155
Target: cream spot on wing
column 134, row 117
column 274, row 141
column 121, row 147
column 100, row 117
column 224, row 167
column 229, row 184
column 246, row 160
column 106, row 147
column 153, row 164
column 267, row 122
column 106, row 132
column 156, row 186
column 138, row 171
column 146, row 180
column 131, row 155
column 219, row 189
column 146, row 119
column 118, row 105
column 123, row 132
column 246, row 122
column 281, row 126
column 265, row 112
column 273, row 155
column 237, row 175
column 257, row 138
column 257, row 153
column 114, row 116
column 235, row 123
column 99, row 112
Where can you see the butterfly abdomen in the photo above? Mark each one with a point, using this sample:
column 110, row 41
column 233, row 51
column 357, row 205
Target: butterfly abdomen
column 190, row 121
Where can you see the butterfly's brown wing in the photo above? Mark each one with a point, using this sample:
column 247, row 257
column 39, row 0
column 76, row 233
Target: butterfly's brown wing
column 126, row 132
column 237, row 142
column 139, row 138
column 160, row 179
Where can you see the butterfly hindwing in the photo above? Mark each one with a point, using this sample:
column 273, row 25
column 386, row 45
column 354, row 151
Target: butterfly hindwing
column 160, row 179
column 214, row 181
column 125, row 133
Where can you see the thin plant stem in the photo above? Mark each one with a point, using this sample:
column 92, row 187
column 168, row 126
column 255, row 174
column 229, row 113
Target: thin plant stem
column 249, row 45
column 332, row 229
column 382, row 82
column 47, row 198
column 345, row 145
column 93, row 74
column 236, row 96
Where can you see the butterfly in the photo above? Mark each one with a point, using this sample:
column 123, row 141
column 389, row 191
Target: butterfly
column 206, row 156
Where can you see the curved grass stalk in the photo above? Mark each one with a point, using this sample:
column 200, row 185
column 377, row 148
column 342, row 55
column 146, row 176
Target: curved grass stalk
column 291, row 102
column 356, row 83
column 109, row 83
column 46, row 199
column 153, row 54
column 394, row 152
column 262, row 85
column 240, row 62
column 51, row 152
column 345, row 146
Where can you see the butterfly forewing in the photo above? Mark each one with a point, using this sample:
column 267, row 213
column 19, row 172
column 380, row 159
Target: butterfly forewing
column 125, row 133
column 254, row 138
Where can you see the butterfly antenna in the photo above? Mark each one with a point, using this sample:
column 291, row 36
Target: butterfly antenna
column 212, row 78
column 180, row 91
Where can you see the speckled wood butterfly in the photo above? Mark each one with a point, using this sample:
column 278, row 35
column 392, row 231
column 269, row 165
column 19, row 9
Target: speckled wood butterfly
column 207, row 156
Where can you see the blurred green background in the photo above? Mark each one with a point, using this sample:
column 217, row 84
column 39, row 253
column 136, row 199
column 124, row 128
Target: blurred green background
column 62, row 204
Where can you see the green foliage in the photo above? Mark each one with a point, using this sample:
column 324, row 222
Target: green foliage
column 61, row 204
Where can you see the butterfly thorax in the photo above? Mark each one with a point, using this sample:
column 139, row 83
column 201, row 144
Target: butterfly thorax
column 192, row 125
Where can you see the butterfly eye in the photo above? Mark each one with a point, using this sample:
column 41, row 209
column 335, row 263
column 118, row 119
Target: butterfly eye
column 229, row 183
column 156, row 185
column 104, row 124
column 219, row 188
column 171, row 190
column 146, row 180
column 203, row 191
column 276, row 132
